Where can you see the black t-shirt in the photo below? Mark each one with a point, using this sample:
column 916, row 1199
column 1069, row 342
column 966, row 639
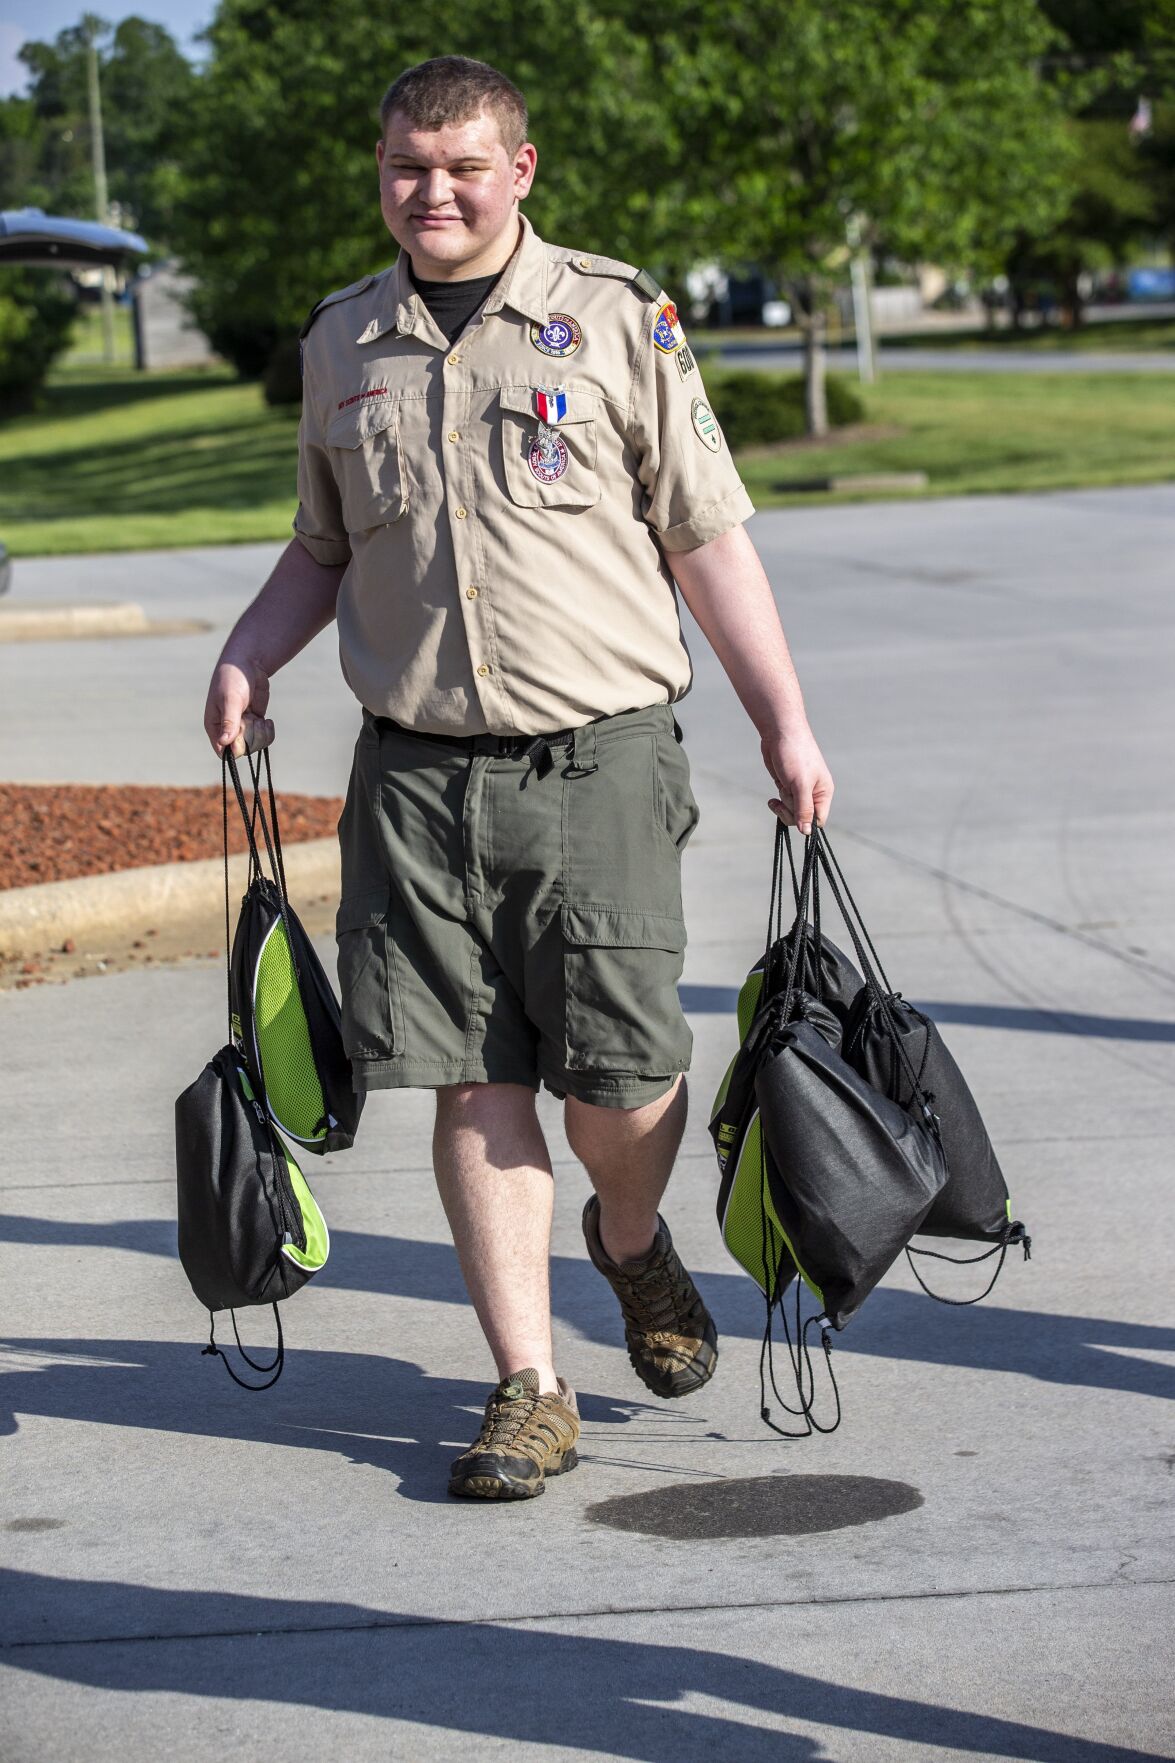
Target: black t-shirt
column 453, row 304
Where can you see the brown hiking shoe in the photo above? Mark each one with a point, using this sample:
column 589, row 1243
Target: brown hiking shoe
column 672, row 1341
column 524, row 1438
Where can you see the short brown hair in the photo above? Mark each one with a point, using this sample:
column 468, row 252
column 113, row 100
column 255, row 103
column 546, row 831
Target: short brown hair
column 453, row 88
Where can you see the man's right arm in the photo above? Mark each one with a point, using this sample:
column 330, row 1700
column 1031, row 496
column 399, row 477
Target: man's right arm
column 295, row 604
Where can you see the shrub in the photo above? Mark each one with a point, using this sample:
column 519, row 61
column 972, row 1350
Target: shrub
column 755, row 409
column 37, row 309
column 283, row 374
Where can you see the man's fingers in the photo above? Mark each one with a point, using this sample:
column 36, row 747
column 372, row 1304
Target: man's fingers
column 255, row 732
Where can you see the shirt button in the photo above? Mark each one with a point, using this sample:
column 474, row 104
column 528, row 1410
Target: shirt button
column 482, row 671
column 585, row 263
column 453, row 435
column 471, row 593
column 454, row 359
column 461, row 513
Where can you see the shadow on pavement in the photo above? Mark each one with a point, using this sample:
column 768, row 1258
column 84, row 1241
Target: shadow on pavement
column 361, row 1406
column 611, row 1697
column 1089, row 1352
column 723, row 1001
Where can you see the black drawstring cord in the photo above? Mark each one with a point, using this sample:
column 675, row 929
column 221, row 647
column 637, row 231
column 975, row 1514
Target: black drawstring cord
column 1015, row 1233
column 217, row 1352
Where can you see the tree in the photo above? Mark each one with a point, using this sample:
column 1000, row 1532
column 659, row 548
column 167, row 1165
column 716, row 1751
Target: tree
column 45, row 135
column 926, row 123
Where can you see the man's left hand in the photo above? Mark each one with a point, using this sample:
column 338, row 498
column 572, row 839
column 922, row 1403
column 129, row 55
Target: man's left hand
column 798, row 770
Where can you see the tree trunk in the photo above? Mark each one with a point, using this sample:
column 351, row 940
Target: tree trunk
column 815, row 397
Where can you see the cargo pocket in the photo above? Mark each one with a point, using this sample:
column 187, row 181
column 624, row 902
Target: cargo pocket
column 565, row 475
column 373, row 1025
column 620, row 974
column 366, row 456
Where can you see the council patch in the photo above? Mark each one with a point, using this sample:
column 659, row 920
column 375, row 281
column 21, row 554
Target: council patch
column 560, row 335
column 667, row 332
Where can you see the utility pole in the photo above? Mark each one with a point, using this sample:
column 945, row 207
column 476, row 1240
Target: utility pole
column 98, row 160
column 862, row 313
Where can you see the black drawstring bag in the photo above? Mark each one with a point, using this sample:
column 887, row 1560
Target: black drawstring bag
column 821, row 1174
column 250, row 1231
column 285, row 1017
column 850, row 1173
column 974, row 1203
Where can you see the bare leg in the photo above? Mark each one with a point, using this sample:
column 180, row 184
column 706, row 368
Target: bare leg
column 628, row 1154
column 493, row 1171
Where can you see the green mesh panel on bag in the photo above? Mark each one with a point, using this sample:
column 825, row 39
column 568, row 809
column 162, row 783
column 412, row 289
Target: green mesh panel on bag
column 750, row 1225
column 284, row 1051
column 314, row 1255
column 748, row 1001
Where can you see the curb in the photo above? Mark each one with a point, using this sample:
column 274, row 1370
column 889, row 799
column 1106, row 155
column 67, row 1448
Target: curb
column 34, row 920
column 55, row 623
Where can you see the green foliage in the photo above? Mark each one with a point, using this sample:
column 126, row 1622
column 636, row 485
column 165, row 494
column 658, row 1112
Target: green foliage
column 36, row 315
column 756, row 409
column 146, row 87
column 282, row 384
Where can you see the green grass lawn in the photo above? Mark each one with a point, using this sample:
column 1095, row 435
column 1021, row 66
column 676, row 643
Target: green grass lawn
column 118, row 461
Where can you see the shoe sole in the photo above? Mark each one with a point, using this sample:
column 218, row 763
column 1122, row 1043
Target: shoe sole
column 505, row 1487
column 683, row 1382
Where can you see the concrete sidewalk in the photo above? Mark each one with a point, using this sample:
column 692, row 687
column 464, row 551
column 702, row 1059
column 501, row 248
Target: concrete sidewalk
column 195, row 1571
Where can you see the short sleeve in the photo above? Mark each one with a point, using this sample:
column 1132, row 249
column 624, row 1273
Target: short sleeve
column 318, row 524
column 693, row 492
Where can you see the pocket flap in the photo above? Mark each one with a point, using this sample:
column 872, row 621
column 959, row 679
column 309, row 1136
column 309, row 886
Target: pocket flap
column 350, row 428
column 581, row 406
column 360, row 910
column 612, row 927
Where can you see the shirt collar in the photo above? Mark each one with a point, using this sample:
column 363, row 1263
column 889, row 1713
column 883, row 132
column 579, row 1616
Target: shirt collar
column 523, row 287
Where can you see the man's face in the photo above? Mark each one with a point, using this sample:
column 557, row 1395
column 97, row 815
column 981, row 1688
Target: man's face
column 448, row 196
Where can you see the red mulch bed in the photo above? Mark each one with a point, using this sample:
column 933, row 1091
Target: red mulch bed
column 54, row 832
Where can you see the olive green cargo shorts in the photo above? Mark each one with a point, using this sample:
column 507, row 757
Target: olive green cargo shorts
column 517, row 919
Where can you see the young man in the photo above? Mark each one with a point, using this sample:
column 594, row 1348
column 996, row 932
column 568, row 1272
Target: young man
column 506, row 461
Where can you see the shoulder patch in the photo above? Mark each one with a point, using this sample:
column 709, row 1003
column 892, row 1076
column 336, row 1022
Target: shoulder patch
column 333, row 299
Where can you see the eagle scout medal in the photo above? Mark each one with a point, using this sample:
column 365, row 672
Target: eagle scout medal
column 547, row 455
column 667, row 332
column 560, row 335
column 705, row 425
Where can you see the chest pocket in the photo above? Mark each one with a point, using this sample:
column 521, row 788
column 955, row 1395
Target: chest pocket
column 368, row 464
column 562, row 475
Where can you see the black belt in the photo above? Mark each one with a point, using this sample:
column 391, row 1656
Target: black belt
column 535, row 748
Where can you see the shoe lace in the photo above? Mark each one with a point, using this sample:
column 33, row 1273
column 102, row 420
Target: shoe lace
column 505, row 1418
column 660, row 1298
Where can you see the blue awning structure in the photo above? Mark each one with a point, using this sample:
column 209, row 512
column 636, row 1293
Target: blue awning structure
column 29, row 236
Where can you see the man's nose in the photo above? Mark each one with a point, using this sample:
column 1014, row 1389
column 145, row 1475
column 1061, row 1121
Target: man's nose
column 437, row 188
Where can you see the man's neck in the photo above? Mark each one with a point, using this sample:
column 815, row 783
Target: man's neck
column 495, row 257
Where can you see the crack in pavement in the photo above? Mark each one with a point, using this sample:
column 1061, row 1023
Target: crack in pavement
column 528, row 1619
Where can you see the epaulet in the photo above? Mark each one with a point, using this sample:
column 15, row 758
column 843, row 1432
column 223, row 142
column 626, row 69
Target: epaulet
column 647, row 284
column 333, row 300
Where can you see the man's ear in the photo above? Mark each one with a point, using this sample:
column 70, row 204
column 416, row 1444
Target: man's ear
column 525, row 161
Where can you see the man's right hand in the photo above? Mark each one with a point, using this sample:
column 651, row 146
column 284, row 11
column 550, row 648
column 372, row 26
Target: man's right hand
column 234, row 713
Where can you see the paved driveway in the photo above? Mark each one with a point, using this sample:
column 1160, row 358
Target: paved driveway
column 192, row 1571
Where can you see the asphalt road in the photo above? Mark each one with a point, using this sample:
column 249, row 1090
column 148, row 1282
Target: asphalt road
column 193, row 1571
column 787, row 356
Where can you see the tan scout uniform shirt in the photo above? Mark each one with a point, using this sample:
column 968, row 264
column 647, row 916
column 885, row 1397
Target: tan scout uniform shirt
column 493, row 586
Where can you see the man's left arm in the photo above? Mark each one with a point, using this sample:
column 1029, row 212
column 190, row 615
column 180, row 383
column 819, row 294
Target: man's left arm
column 725, row 587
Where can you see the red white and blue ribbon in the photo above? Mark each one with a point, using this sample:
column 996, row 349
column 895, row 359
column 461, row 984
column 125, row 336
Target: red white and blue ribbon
column 550, row 403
